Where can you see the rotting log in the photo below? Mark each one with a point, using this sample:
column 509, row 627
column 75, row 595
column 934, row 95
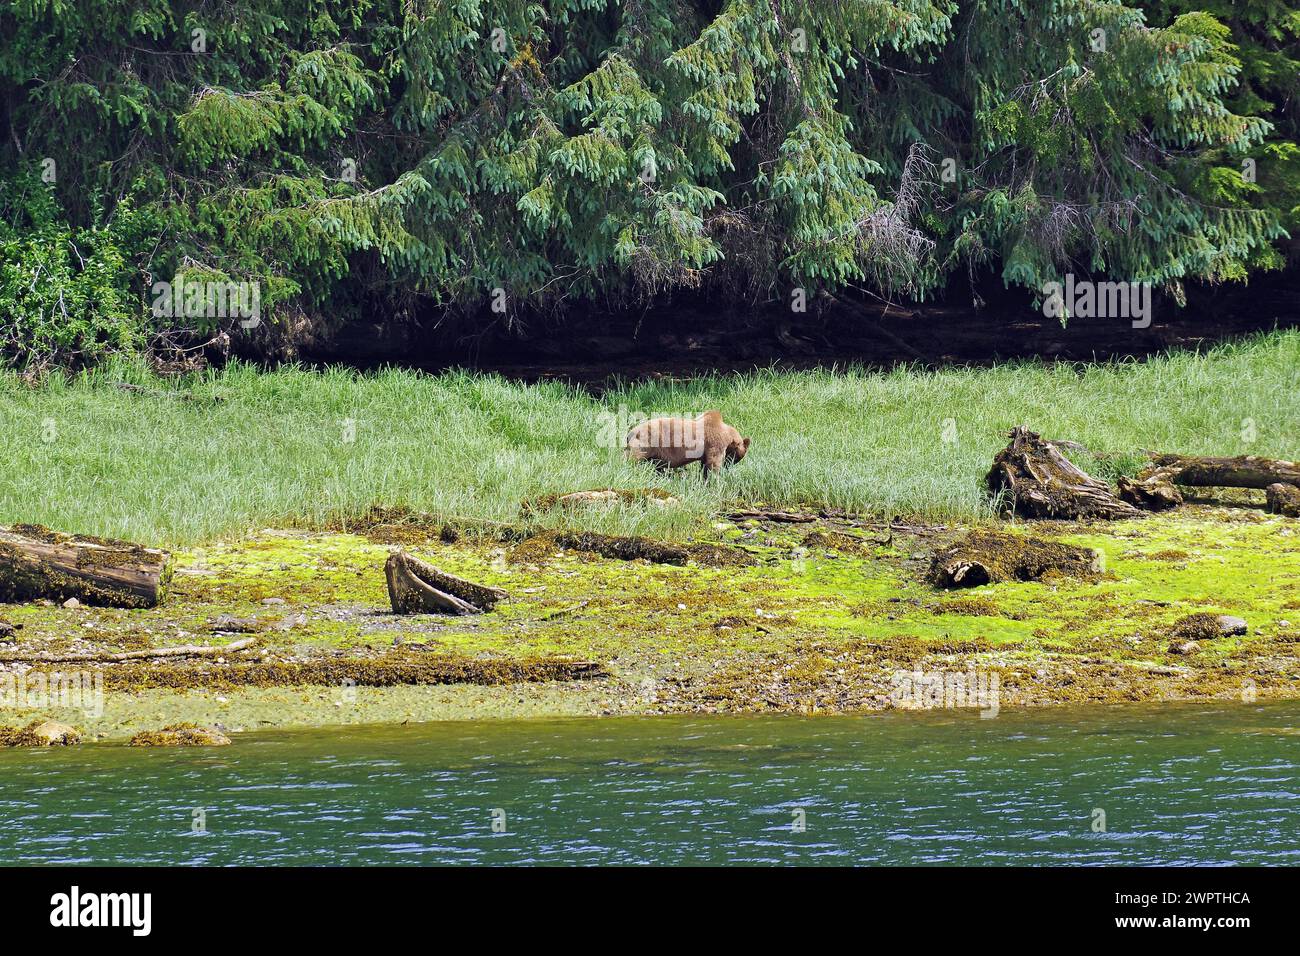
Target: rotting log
column 1241, row 471
column 1283, row 499
column 417, row 587
column 988, row 557
column 623, row 548
column 36, row 562
column 781, row 517
column 1040, row 482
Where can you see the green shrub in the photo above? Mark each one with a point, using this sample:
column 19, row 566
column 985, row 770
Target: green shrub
column 68, row 295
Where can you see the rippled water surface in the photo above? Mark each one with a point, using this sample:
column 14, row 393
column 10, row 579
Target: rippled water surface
column 1177, row 784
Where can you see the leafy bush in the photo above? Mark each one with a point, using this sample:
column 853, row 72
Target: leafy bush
column 68, row 295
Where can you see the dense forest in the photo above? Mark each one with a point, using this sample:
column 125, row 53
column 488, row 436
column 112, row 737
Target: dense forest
column 497, row 162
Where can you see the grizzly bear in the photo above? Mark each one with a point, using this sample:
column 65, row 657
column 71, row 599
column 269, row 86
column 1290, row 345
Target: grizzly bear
column 677, row 442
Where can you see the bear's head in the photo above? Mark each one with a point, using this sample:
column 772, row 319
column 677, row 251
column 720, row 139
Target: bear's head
column 737, row 450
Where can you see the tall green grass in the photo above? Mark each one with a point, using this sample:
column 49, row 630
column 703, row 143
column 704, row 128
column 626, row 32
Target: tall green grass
column 226, row 451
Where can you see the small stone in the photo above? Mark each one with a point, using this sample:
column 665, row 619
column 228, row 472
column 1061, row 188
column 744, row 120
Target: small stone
column 72, row 603
column 273, row 600
column 1229, row 625
column 1184, row 647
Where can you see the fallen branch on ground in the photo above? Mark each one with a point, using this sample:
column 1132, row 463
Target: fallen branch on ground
column 182, row 650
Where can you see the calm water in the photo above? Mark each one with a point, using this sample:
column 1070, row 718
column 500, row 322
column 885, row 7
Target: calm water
column 1179, row 785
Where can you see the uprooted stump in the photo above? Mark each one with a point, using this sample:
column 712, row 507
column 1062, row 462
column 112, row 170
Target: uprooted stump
column 1040, row 482
column 1283, row 499
column 36, row 562
column 987, row 557
column 417, row 587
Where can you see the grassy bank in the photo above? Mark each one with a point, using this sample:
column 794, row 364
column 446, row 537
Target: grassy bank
column 181, row 462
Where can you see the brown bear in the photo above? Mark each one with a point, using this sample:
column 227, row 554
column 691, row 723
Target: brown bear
column 677, row 442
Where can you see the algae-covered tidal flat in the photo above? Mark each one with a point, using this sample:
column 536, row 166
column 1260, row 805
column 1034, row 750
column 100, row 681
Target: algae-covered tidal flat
column 774, row 617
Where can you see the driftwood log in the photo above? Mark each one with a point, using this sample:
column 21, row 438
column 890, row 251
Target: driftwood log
column 1154, row 487
column 38, row 563
column 1040, row 482
column 417, row 587
column 1242, row 471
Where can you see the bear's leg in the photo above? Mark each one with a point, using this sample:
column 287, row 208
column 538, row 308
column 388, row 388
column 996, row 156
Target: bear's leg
column 712, row 460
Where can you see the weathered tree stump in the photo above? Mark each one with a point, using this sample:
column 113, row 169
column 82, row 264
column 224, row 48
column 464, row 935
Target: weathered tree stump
column 1040, row 482
column 987, row 557
column 38, row 563
column 417, row 587
column 1283, row 499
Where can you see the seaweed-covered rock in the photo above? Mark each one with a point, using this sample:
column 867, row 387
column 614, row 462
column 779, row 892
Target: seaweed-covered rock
column 1205, row 626
column 987, row 557
column 49, row 733
column 181, row 735
column 837, row 541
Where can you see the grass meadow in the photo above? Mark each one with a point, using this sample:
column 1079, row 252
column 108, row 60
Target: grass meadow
column 176, row 462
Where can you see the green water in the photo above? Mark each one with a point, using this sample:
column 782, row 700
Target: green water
column 1178, row 785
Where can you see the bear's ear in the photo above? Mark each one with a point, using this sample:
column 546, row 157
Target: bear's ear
column 745, row 444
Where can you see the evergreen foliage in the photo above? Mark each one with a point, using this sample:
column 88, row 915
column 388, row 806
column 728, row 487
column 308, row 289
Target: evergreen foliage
column 508, row 156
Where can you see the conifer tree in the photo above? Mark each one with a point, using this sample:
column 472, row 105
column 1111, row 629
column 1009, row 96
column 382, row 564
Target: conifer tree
column 374, row 155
